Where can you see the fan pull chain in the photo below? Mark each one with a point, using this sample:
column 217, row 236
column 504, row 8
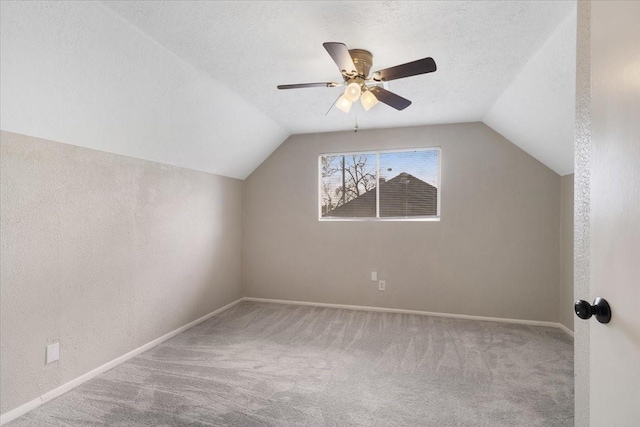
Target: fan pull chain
column 355, row 128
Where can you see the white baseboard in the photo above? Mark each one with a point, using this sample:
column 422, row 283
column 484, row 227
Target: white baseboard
column 23, row 409
column 565, row 329
column 421, row 313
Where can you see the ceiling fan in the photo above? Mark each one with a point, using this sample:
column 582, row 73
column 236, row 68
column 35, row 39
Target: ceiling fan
column 355, row 64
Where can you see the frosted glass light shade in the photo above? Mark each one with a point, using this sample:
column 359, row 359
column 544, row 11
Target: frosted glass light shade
column 352, row 92
column 343, row 104
column 368, row 100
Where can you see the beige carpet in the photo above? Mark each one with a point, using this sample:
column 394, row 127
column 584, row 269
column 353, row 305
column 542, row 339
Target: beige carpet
column 276, row 365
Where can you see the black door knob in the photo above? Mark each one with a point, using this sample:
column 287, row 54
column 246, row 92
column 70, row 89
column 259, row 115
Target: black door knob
column 600, row 309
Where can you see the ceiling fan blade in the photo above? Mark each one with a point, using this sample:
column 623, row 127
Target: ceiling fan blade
column 421, row 66
column 390, row 98
column 341, row 56
column 303, row 85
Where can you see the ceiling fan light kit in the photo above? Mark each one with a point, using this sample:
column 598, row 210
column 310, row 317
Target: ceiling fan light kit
column 352, row 92
column 355, row 65
column 368, row 100
column 343, row 104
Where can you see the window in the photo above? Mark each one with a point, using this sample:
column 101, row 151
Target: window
column 380, row 185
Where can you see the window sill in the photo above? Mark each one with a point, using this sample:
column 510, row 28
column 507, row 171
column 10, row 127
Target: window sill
column 418, row 219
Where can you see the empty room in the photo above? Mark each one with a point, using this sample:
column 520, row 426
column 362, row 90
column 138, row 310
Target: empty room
column 327, row 213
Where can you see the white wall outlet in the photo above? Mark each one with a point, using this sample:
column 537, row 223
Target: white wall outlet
column 374, row 276
column 53, row 352
column 382, row 285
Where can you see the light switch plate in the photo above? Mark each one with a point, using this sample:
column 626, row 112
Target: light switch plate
column 53, row 352
column 374, row 276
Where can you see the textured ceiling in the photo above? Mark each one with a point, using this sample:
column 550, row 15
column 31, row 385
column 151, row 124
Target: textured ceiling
column 76, row 73
column 253, row 46
column 198, row 79
column 537, row 110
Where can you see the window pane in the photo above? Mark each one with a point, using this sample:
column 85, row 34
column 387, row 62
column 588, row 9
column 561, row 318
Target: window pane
column 348, row 185
column 409, row 183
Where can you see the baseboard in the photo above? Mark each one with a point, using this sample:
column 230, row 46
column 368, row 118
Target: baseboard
column 565, row 329
column 23, row 409
column 421, row 313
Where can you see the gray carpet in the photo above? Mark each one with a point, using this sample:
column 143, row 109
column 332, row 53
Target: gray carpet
column 275, row 365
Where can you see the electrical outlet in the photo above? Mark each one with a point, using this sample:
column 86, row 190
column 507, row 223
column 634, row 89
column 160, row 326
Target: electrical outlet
column 382, row 285
column 374, row 276
column 53, row 352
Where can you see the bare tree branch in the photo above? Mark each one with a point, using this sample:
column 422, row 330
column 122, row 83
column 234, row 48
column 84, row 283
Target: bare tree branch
column 341, row 185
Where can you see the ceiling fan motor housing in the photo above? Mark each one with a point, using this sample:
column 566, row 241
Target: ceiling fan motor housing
column 363, row 60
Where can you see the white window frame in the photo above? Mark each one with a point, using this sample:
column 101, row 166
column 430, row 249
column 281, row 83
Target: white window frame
column 377, row 218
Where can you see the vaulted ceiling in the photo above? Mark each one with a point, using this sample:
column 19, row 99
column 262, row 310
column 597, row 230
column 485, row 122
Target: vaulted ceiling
column 194, row 83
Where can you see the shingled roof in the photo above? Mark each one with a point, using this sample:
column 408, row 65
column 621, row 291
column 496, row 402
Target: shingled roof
column 402, row 196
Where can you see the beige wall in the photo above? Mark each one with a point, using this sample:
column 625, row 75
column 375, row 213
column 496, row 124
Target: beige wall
column 496, row 251
column 566, row 298
column 104, row 253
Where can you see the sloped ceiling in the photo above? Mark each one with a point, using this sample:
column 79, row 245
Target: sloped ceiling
column 194, row 83
column 76, row 73
column 537, row 110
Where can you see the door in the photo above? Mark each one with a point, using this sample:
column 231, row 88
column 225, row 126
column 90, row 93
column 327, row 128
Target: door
column 615, row 212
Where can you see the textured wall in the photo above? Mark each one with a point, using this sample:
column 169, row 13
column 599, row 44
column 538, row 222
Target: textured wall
column 104, row 253
column 494, row 253
column 565, row 313
column 582, row 207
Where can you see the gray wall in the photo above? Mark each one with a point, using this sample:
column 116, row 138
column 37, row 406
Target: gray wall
column 104, row 253
column 496, row 251
column 566, row 314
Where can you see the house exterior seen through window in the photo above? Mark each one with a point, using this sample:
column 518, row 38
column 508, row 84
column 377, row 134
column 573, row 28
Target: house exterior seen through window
column 380, row 185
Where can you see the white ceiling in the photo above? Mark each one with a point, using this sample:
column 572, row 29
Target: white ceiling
column 246, row 48
column 74, row 72
column 537, row 110
column 479, row 48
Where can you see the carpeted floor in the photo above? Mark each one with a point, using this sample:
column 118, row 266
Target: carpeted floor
column 268, row 364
